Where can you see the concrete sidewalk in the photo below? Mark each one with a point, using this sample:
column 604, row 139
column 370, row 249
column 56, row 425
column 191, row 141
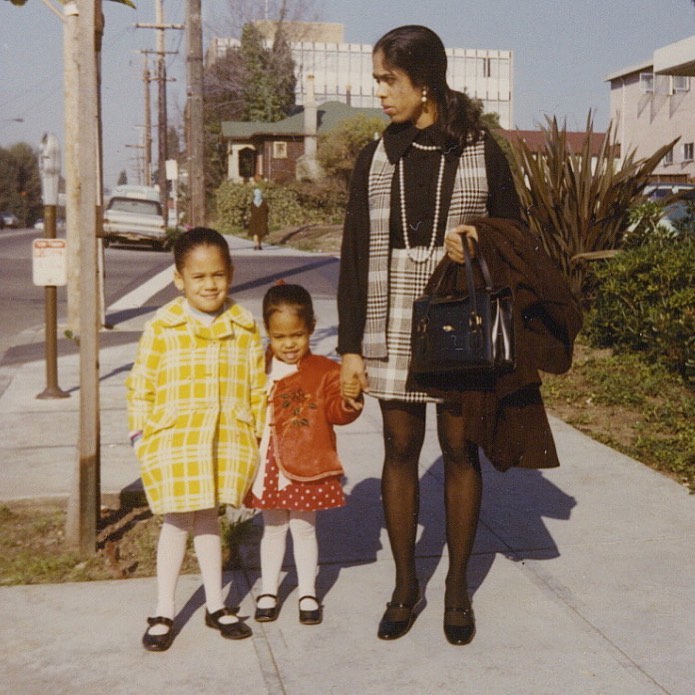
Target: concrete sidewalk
column 582, row 576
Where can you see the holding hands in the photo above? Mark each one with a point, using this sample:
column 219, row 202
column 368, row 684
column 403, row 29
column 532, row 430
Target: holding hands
column 353, row 380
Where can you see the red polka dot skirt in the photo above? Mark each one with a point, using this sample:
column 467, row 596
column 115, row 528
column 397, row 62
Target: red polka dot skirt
column 314, row 495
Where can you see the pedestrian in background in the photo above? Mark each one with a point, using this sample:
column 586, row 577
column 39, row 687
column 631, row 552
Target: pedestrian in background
column 196, row 402
column 300, row 473
column 258, row 219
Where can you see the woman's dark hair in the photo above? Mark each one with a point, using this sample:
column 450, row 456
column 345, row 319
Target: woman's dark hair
column 420, row 53
column 293, row 296
column 199, row 236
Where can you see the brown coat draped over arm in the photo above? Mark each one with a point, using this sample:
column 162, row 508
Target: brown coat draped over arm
column 506, row 417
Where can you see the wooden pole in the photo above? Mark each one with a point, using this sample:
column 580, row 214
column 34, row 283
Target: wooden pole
column 196, row 154
column 162, row 125
column 83, row 507
column 72, row 180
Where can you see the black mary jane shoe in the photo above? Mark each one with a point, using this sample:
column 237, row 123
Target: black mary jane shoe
column 237, row 630
column 397, row 619
column 158, row 643
column 267, row 615
column 459, row 625
column 311, row 617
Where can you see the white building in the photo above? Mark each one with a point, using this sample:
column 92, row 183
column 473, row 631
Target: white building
column 652, row 103
column 343, row 71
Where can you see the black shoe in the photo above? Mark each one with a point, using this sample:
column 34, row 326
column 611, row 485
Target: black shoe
column 267, row 615
column 312, row 617
column 397, row 619
column 158, row 643
column 236, row 630
column 459, row 625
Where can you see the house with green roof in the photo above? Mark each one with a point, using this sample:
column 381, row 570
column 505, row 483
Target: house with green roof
column 285, row 150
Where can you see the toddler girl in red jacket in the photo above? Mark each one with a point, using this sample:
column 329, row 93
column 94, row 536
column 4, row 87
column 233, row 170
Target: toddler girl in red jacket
column 300, row 472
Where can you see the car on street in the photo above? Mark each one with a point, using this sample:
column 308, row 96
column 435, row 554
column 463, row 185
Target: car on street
column 11, row 221
column 134, row 215
column 39, row 225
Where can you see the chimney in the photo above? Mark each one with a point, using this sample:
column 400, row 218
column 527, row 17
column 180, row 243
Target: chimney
column 310, row 119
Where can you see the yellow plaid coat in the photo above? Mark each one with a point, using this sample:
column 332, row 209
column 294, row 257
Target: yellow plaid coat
column 198, row 395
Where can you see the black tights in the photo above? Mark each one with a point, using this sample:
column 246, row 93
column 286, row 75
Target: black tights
column 404, row 433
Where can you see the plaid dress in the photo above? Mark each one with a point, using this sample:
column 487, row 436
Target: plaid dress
column 198, row 395
column 395, row 280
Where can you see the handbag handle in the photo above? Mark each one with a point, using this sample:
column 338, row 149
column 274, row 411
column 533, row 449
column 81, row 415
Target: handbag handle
column 482, row 264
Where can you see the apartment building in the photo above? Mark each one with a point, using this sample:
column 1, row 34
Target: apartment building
column 652, row 103
column 343, row 71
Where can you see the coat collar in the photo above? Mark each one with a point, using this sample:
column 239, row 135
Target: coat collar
column 175, row 314
column 398, row 137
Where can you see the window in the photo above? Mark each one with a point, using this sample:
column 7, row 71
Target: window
column 484, row 67
column 688, row 151
column 679, row 84
column 279, row 150
column 646, row 82
column 668, row 158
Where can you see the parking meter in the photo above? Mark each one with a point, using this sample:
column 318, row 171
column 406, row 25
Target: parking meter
column 49, row 165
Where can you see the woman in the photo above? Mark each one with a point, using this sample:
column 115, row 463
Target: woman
column 412, row 192
column 258, row 219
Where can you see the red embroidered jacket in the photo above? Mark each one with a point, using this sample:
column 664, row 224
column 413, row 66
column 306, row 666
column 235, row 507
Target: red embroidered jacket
column 305, row 407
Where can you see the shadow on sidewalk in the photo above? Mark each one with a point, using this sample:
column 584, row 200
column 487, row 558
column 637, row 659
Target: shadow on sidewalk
column 514, row 506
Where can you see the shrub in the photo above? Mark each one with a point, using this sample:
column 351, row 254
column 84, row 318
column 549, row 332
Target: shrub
column 577, row 202
column 645, row 302
column 233, row 201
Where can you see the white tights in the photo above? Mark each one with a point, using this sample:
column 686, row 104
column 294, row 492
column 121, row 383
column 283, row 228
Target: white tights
column 171, row 550
column 302, row 525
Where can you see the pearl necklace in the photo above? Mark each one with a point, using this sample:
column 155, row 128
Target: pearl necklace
column 418, row 257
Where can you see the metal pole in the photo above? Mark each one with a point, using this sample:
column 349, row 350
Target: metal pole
column 52, row 389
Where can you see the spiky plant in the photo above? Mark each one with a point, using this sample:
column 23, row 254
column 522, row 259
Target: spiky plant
column 578, row 202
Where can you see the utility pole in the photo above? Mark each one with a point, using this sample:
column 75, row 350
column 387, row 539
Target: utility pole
column 70, row 112
column 148, row 127
column 162, row 127
column 83, row 507
column 195, row 143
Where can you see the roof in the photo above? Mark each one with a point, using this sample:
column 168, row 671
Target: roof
column 329, row 115
column 672, row 59
column 535, row 139
column 645, row 66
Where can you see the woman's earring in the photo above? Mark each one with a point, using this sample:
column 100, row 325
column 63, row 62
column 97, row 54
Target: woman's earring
column 423, row 98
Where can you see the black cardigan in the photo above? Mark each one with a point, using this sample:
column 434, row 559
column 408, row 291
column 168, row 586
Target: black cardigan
column 503, row 202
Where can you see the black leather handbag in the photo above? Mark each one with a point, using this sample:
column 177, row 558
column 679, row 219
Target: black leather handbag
column 457, row 337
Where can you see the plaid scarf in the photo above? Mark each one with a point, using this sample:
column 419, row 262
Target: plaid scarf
column 466, row 202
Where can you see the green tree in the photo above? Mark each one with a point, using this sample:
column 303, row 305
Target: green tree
column 282, row 71
column 263, row 89
column 20, row 184
column 338, row 149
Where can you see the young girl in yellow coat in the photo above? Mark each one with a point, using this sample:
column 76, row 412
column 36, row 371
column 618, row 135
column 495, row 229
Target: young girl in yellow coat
column 196, row 404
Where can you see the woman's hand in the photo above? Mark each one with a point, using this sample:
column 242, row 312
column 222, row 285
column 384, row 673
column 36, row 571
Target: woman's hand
column 454, row 239
column 353, row 379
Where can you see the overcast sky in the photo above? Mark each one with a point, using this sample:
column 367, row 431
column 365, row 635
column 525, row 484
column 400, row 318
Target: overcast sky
column 563, row 50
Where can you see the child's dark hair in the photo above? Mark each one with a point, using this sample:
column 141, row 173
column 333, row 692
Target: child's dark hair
column 199, row 236
column 293, row 296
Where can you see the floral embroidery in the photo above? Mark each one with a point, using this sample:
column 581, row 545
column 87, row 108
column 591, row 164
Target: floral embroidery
column 299, row 401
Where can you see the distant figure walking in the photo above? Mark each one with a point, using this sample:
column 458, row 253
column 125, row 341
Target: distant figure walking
column 196, row 402
column 258, row 219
